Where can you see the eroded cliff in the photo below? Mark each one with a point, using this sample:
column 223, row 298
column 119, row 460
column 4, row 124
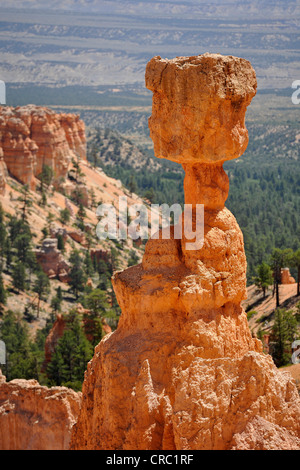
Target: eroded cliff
column 32, row 136
column 33, row 417
column 3, row 173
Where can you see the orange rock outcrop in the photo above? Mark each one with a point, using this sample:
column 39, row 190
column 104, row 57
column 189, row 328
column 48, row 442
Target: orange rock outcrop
column 286, row 277
column 52, row 261
column 32, row 136
column 182, row 370
column 33, row 417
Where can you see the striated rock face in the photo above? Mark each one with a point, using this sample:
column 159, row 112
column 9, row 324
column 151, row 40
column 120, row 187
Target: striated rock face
column 75, row 133
column 33, row 417
column 33, row 136
column 182, row 370
column 19, row 150
column 3, row 173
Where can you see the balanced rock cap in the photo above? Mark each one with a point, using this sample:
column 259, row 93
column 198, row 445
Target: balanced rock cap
column 199, row 106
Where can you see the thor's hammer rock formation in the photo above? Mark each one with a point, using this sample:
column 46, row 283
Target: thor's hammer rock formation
column 182, row 370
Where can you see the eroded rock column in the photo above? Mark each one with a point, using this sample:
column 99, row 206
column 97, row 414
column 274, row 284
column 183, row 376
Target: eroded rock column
column 182, row 370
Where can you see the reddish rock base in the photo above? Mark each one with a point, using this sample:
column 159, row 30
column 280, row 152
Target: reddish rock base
column 286, row 277
column 33, row 417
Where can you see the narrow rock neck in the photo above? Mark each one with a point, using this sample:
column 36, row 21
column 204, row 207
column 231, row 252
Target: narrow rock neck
column 206, row 183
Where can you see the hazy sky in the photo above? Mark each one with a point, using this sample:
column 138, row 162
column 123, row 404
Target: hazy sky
column 168, row 8
column 112, row 46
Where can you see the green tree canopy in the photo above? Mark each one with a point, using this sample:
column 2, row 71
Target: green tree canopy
column 77, row 275
column 279, row 259
column 71, row 355
column 19, row 276
column 264, row 277
column 41, row 287
column 23, row 358
column 98, row 309
column 283, row 333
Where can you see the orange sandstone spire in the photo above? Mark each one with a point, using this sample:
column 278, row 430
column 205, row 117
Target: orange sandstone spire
column 182, row 370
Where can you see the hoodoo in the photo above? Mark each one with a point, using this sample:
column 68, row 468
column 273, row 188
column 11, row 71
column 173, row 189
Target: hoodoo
column 182, row 370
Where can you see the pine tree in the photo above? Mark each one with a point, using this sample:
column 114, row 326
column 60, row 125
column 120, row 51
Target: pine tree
column 88, row 264
column 64, row 216
column 279, row 259
column 77, row 274
column 60, row 243
column 93, row 198
column 56, row 369
column 19, row 276
column 78, row 172
column 113, row 260
column 81, row 214
column 20, row 241
column 26, row 201
column 59, row 293
column 95, row 155
column 46, row 177
column 23, row 360
column 283, row 333
column 22, row 244
column 50, row 219
column 57, row 300
column 41, row 287
column 264, row 277
column 55, row 304
column 43, row 200
column 102, row 267
column 150, row 195
column 132, row 186
column 98, row 308
column 72, row 353
column 133, row 258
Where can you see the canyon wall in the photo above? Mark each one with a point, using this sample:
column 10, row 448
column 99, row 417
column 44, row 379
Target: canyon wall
column 33, row 417
column 182, row 370
column 32, row 136
column 3, row 173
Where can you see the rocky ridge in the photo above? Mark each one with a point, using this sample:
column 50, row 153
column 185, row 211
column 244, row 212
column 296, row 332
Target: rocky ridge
column 32, row 136
column 33, row 417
